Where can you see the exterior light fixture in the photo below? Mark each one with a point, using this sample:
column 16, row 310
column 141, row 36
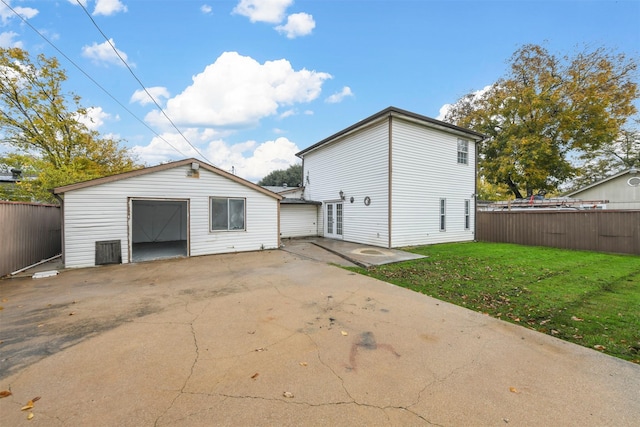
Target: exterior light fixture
column 341, row 193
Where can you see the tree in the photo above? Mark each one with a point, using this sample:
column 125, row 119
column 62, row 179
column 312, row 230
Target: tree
column 291, row 176
column 623, row 153
column 546, row 112
column 43, row 134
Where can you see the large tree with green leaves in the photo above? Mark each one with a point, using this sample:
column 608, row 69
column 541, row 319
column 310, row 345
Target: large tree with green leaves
column 292, row 176
column 547, row 113
column 42, row 132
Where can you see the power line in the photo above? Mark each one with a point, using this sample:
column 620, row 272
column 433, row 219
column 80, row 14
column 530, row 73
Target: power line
column 92, row 79
column 138, row 80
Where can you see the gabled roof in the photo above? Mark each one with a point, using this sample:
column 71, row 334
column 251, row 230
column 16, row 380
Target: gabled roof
column 602, row 181
column 162, row 167
column 397, row 112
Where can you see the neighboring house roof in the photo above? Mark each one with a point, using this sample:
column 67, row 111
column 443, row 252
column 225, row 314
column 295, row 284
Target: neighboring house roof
column 631, row 171
column 397, row 112
column 171, row 165
column 282, row 190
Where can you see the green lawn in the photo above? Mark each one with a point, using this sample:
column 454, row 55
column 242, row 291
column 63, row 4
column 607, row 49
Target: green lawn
column 588, row 298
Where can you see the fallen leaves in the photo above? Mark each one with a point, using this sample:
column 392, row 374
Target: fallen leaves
column 599, row 347
column 576, row 319
column 260, row 349
column 254, row 376
column 30, row 416
column 30, row 403
column 513, row 390
column 5, row 393
column 303, row 363
column 344, row 333
column 288, row 394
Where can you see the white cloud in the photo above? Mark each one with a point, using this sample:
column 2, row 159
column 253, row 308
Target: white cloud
column 94, row 118
column 109, row 7
column 250, row 160
column 206, row 9
column 7, row 40
column 75, row 3
column 141, row 97
column 444, row 110
column 442, row 113
column 287, row 113
column 298, row 24
column 271, row 11
column 239, row 91
column 103, row 53
column 6, row 14
column 339, row 96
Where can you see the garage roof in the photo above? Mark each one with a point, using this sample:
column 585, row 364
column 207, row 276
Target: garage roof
column 165, row 166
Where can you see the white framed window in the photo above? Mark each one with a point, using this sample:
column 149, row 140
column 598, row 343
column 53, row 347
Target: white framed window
column 463, row 152
column 467, row 214
column 227, row 214
column 443, row 214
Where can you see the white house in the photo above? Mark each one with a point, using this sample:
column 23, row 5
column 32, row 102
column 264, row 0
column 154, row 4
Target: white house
column 183, row 208
column 394, row 179
column 622, row 190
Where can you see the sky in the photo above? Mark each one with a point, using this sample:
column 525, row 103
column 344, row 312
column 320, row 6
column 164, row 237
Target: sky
column 246, row 84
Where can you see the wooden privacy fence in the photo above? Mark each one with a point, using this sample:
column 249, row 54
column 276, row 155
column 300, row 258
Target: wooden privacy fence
column 615, row 231
column 29, row 233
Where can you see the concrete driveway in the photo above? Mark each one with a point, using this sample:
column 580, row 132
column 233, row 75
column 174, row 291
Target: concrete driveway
column 272, row 338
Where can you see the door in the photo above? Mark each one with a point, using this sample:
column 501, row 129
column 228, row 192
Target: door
column 333, row 228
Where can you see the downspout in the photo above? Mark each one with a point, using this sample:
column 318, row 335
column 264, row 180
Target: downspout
column 390, row 181
column 61, row 200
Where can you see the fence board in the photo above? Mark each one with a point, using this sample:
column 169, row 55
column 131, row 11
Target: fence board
column 615, row 231
column 29, row 233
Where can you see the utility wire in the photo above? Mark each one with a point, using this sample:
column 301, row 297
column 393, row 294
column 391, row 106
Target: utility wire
column 92, row 79
column 138, row 80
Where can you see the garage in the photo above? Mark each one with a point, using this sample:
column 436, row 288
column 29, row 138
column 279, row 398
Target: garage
column 159, row 229
column 298, row 218
column 180, row 209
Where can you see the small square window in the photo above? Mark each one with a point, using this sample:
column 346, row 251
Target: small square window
column 463, row 152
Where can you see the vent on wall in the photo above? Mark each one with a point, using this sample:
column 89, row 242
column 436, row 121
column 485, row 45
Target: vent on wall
column 108, row 252
column 634, row 181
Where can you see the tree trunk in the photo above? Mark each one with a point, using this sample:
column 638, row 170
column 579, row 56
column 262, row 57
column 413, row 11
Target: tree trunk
column 513, row 187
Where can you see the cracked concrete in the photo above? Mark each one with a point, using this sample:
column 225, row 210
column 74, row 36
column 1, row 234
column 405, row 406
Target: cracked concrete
column 217, row 340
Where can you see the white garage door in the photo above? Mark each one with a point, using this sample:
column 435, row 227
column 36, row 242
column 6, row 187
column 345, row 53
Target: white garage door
column 298, row 220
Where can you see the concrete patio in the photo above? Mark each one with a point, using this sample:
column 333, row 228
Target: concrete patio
column 274, row 338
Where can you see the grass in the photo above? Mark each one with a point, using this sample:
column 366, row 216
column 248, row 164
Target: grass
column 587, row 298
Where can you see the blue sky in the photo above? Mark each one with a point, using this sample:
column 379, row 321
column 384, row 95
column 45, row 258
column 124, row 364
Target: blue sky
column 252, row 82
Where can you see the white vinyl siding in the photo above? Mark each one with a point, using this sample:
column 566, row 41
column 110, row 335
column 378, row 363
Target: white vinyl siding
column 425, row 171
column 298, row 220
column 356, row 164
column 101, row 213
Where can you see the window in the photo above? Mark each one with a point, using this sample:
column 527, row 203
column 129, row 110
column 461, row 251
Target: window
column 463, row 151
column 467, row 214
column 443, row 214
column 227, row 214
